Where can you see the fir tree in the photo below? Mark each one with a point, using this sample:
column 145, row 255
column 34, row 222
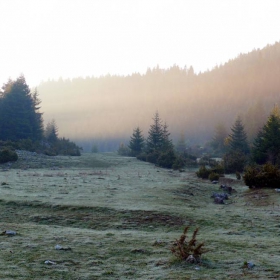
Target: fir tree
column 166, row 141
column 235, row 159
column 19, row 112
column 238, row 138
column 160, row 148
column 136, row 143
column 51, row 132
column 267, row 143
column 155, row 135
column 218, row 140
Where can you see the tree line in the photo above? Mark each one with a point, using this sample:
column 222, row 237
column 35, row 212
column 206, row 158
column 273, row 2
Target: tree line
column 158, row 147
column 192, row 102
column 258, row 160
column 21, row 122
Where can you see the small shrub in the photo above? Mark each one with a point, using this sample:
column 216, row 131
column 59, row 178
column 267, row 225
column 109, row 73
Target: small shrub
column 7, row 155
column 213, row 176
column 50, row 152
column 166, row 159
column 178, row 163
column 218, row 168
column 188, row 250
column 238, row 175
column 123, row 150
column 152, row 157
column 266, row 176
column 203, row 172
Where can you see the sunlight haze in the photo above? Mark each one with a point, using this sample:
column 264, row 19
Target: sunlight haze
column 51, row 39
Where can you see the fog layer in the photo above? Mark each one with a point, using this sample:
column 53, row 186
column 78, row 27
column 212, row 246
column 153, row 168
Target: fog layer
column 112, row 106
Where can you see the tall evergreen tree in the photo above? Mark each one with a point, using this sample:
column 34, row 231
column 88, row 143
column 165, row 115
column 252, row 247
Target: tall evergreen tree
column 238, row 138
column 267, row 143
column 19, row 112
column 51, row 132
column 155, row 135
column 137, row 142
column 166, row 141
column 218, row 140
column 37, row 121
column 159, row 147
column 235, row 159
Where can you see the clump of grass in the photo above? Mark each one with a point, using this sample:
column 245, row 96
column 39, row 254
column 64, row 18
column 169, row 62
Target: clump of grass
column 189, row 251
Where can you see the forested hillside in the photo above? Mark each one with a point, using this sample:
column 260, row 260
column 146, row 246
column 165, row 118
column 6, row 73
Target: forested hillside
column 192, row 103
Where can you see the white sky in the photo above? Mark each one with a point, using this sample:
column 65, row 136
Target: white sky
column 68, row 38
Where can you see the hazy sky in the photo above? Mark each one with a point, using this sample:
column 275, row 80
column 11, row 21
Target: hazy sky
column 51, row 38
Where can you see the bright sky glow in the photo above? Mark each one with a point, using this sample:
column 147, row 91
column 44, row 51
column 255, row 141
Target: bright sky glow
column 68, row 38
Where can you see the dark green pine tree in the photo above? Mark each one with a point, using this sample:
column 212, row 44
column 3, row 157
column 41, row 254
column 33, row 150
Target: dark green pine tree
column 19, row 116
column 238, row 138
column 51, row 132
column 167, row 155
column 259, row 153
column 235, row 159
column 218, row 140
column 155, row 136
column 267, row 144
column 137, row 142
column 37, row 120
column 167, row 142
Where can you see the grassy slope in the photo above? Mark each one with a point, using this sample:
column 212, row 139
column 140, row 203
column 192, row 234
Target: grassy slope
column 120, row 216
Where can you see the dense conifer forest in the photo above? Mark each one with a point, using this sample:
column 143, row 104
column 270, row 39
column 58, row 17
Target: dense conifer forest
column 194, row 104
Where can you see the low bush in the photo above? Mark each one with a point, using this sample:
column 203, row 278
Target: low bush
column 265, row 176
column 7, row 155
column 166, row 159
column 203, row 172
column 123, row 150
column 238, row 175
column 152, row 157
column 179, row 162
column 214, row 176
column 218, row 168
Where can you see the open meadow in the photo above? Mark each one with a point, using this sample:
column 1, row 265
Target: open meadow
column 115, row 217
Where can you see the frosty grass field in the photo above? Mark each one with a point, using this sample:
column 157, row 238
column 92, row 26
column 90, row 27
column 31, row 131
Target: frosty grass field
column 117, row 217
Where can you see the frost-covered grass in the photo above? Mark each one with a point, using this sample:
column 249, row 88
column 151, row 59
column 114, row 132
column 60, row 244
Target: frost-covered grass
column 120, row 216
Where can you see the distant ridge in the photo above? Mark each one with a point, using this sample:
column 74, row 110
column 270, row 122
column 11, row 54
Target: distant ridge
column 111, row 106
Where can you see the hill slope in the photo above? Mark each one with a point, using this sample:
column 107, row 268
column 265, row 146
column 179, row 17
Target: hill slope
column 112, row 106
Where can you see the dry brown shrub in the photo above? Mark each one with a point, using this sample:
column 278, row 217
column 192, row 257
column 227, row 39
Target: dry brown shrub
column 190, row 251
